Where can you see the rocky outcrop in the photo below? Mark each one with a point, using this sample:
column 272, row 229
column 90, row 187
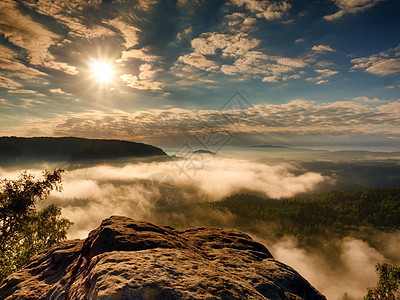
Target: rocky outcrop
column 125, row 259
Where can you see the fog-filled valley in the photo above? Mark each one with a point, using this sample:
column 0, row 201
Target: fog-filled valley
column 278, row 119
column 332, row 217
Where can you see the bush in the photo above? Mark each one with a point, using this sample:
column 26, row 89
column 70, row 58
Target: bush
column 24, row 231
column 388, row 283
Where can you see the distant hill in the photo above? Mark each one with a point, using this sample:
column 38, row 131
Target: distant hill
column 14, row 150
column 202, row 151
column 268, row 146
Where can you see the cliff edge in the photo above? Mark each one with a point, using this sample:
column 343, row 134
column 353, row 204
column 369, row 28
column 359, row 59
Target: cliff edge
column 126, row 259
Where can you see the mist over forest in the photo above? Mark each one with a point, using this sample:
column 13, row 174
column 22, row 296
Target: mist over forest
column 332, row 217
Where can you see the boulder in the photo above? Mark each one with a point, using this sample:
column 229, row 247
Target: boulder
column 127, row 259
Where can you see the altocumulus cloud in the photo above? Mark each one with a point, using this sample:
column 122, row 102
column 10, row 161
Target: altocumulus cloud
column 351, row 7
column 295, row 118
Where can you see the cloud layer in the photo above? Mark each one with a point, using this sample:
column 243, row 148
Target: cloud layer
column 94, row 193
column 140, row 190
column 353, row 274
column 354, row 119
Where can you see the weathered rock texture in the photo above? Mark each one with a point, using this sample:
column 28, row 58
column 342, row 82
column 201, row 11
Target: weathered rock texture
column 125, row 259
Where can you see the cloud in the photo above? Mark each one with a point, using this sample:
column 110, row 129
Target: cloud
column 57, row 8
column 93, row 32
column 270, row 79
column 58, row 91
column 22, row 92
column 313, row 57
column 81, row 21
column 15, row 70
column 382, row 64
column 61, row 66
column 350, row 7
column 129, row 32
column 145, row 79
column 231, row 51
column 239, row 22
column 231, row 45
column 136, row 54
column 16, row 67
column 255, row 63
column 354, row 272
column 185, row 33
column 22, row 31
column 146, row 5
column 322, row 78
column 324, row 73
column 6, row 104
column 70, row 14
column 92, row 194
column 189, row 6
column 23, row 103
column 322, row 48
column 6, row 53
column 239, row 48
column 265, row 9
column 369, row 100
column 275, row 11
column 296, row 120
column 385, row 67
column 8, row 83
column 199, row 61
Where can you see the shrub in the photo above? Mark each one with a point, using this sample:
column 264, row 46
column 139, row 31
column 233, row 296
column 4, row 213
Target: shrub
column 24, row 231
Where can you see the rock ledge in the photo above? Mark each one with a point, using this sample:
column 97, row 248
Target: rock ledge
column 126, row 259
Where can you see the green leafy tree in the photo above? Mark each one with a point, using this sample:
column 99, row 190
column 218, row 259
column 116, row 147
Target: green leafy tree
column 24, row 231
column 387, row 287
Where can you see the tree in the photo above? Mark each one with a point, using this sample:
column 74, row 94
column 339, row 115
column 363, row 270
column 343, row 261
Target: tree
column 24, row 231
column 387, row 287
column 345, row 297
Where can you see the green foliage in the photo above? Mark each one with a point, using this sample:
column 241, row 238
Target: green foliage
column 24, row 231
column 319, row 222
column 315, row 220
column 387, row 287
column 332, row 214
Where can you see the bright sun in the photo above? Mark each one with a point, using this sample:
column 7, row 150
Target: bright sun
column 102, row 72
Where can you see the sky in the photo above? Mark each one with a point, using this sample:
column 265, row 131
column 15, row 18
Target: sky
column 316, row 73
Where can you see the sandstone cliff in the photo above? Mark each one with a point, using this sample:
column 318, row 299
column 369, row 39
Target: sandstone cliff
column 125, row 259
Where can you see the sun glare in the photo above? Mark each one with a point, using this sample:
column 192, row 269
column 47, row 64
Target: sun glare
column 102, row 72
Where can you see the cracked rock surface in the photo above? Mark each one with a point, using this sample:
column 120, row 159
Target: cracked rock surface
column 126, row 259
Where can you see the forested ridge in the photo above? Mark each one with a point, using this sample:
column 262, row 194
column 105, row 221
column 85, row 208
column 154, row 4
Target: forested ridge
column 315, row 220
column 18, row 150
column 337, row 211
